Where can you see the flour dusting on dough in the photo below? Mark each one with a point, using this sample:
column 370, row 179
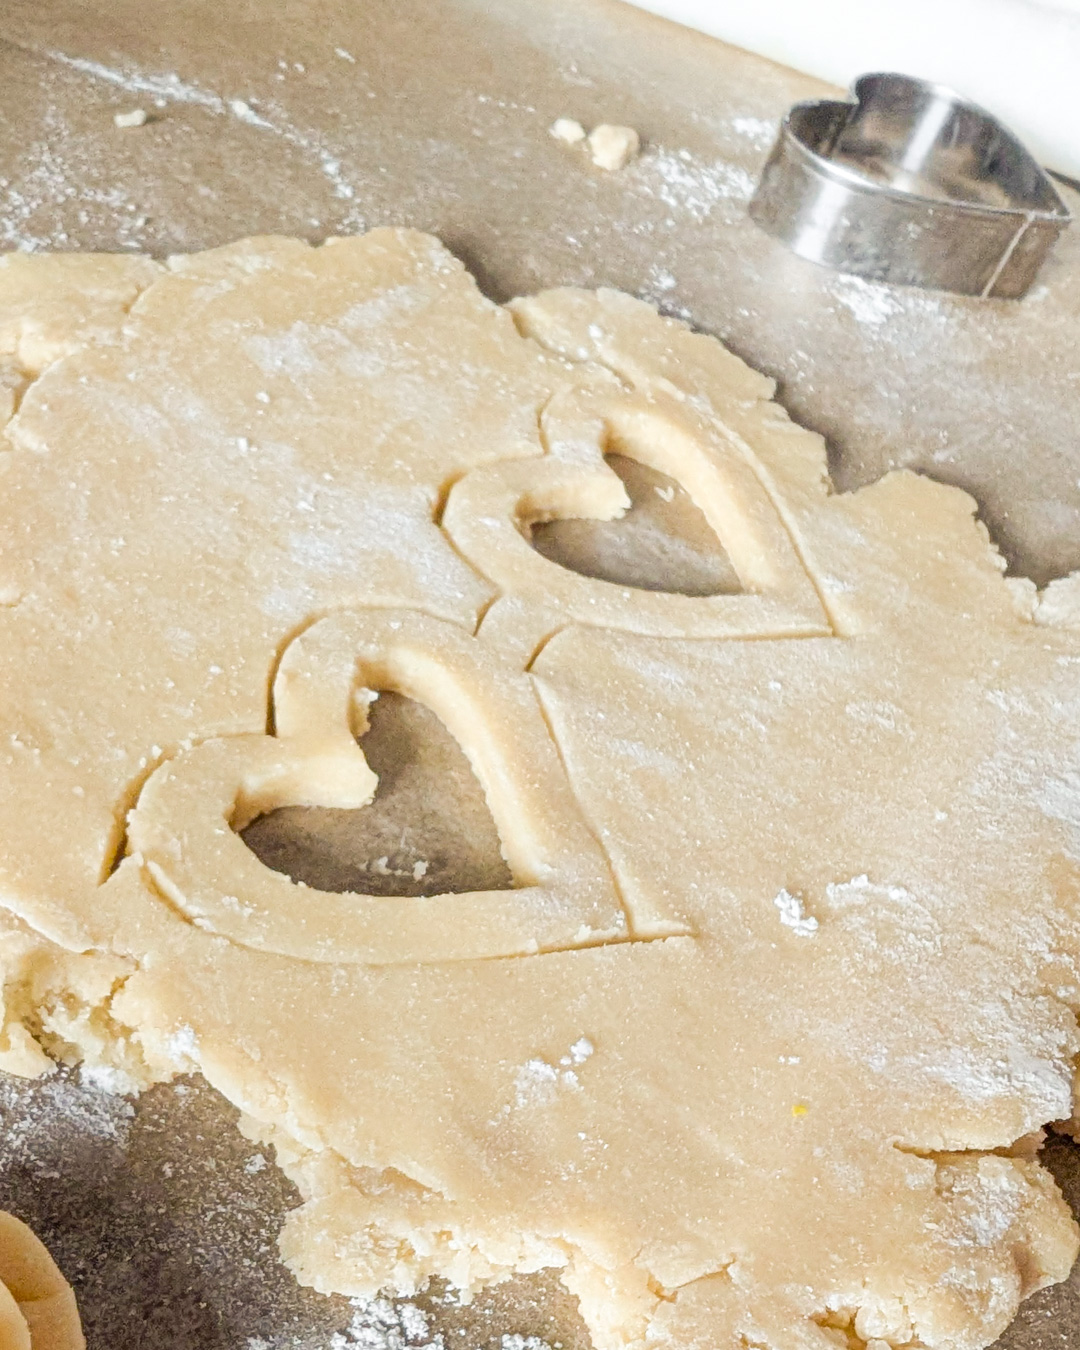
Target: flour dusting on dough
column 793, row 914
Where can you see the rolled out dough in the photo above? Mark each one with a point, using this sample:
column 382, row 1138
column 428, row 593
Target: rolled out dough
column 758, row 1048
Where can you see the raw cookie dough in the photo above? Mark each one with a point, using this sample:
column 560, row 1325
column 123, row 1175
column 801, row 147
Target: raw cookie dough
column 779, row 1079
column 37, row 1306
column 613, row 147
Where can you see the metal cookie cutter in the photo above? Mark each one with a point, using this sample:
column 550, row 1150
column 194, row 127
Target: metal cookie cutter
column 912, row 185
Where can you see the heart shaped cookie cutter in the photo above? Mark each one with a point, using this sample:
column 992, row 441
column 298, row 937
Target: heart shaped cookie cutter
column 913, row 185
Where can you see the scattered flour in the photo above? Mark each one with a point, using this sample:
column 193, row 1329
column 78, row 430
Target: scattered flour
column 579, row 1052
column 170, row 88
column 386, row 866
column 759, row 130
column 52, row 174
column 1007, row 1066
column 984, row 1204
column 537, row 1082
column 793, row 915
column 61, row 1108
column 880, row 308
column 691, row 187
column 183, row 1048
column 378, row 1324
column 870, row 302
column 657, row 290
column 106, row 1078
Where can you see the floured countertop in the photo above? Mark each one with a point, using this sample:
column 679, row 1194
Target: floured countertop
column 328, row 118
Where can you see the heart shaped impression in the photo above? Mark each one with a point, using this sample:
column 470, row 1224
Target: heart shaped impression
column 910, row 184
column 489, row 510
column 186, row 822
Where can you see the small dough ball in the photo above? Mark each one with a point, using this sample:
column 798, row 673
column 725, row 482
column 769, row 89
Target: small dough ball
column 613, row 147
column 567, row 130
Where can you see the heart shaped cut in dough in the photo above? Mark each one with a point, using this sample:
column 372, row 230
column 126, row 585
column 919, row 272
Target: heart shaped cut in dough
column 185, row 824
column 490, row 510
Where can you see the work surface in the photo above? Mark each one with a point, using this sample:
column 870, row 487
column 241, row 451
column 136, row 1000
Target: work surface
column 317, row 119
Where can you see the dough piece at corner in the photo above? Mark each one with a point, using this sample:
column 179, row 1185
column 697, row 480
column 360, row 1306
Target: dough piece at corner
column 37, row 1305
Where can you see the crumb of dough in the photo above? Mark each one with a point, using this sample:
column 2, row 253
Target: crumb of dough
column 613, row 147
column 137, row 117
column 567, row 130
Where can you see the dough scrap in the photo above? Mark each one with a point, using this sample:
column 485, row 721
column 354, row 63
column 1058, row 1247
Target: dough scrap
column 613, row 147
column 567, row 130
column 725, row 1125
column 37, row 1305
